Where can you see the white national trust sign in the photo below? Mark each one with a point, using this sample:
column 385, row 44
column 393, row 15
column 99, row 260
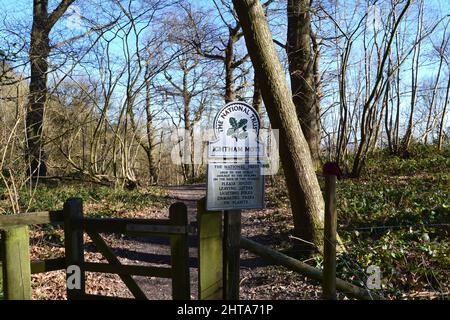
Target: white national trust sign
column 235, row 179
column 236, row 127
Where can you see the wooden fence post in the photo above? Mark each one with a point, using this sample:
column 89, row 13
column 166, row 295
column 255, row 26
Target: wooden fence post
column 179, row 247
column 210, row 258
column 16, row 263
column 73, row 243
column 329, row 242
column 231, row 253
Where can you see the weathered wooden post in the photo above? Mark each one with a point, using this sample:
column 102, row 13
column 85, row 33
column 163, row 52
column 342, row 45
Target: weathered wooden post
column 74, row 247
column 16, row 263
column 180, row 253
column 210, row 259
column 231, row 251
column 330, row 171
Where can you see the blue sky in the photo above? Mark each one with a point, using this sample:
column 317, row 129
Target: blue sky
column 20, row 12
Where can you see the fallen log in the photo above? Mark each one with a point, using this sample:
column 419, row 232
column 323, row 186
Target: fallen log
column 278, row 258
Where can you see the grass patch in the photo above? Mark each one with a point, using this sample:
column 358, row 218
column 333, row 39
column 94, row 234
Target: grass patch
column 103, row 199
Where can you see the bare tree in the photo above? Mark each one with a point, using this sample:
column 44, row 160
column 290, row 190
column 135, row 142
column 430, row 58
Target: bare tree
column 370, row 111
column 218, row 43
column 440, row 50
column 444, row 111
column 414, row 77
column 190, row 96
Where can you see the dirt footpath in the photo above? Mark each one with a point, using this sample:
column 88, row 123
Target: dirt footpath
column 258, row 280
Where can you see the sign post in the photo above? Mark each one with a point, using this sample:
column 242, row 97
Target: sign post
column 235, row 160
column 235, row 180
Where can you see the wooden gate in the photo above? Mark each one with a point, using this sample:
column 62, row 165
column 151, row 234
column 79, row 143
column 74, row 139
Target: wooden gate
column 175, row 228
column 17, row 268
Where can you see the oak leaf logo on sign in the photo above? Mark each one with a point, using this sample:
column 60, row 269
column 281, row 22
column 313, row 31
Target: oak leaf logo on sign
column 238, row 130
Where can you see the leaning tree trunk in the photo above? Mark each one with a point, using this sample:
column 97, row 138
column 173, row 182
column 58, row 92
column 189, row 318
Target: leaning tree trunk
column 301, row 69
column 304, row 191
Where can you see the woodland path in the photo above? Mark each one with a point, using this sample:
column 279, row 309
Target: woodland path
column 156, row 251
column 258, row 280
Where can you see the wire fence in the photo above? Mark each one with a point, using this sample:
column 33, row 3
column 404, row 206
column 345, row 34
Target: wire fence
column 400, row 226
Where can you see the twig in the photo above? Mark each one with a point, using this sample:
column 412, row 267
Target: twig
column 305, row 241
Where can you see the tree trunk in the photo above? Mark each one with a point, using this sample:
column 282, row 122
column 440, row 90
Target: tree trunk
column 150, row 134
column 39, row 51
column 301, row 64
column 38, row 55
column 304, row 191
column 428, row 126
column 187, row 126
column 414, row 82
column 441, row 125
column 229, row 70
column 257, row 97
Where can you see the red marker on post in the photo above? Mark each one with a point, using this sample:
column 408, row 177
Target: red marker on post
column 332, row 169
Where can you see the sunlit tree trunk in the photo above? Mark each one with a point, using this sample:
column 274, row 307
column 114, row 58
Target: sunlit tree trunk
column 301, row 68
column 441, row 125
column 43, row 23
column 304, row 191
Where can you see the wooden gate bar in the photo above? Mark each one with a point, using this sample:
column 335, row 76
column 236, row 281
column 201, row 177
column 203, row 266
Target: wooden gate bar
column 103, row 248
column 24, row 219
column 135, row 270
column 48, row 265
column 129, row 226
column 157, row 230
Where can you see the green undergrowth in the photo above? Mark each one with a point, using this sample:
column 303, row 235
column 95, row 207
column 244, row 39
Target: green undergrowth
column 396, row 217
column 98, row 200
